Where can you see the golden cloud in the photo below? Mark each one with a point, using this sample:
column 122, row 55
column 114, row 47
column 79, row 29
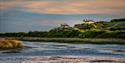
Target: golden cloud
column 6, row 5
column 71, row 6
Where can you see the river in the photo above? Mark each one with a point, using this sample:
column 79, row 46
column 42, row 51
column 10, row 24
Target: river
column 45, row 49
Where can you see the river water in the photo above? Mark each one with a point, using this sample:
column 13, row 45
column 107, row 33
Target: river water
column 43, row 49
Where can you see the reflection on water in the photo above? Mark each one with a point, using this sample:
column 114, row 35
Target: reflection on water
column 55, row 49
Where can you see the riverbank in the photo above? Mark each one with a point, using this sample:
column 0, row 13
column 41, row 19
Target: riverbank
column 75, row 40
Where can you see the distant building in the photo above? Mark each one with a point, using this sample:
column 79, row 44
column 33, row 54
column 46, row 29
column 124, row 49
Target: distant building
column 64, row 26
column 85, row 21
column 78, row 26
column 86, row 24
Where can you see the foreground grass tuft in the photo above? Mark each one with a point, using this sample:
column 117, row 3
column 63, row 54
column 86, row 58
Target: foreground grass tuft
column 10, row 44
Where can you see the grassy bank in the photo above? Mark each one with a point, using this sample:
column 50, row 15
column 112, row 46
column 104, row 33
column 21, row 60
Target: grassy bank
column 75, row 40
column 10, row 44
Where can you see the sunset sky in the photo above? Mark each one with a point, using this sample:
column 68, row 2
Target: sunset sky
column 43, row 15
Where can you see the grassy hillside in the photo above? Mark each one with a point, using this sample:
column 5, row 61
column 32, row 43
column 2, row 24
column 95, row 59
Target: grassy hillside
column 84, row 30
column 116, row 24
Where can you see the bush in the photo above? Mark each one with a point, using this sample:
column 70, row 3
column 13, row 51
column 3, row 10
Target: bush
column 91, row 34
column 112, row 34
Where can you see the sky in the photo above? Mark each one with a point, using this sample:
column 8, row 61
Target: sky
column 43, row 15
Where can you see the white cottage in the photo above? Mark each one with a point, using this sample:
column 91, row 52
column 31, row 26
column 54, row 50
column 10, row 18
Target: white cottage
column 88, row 21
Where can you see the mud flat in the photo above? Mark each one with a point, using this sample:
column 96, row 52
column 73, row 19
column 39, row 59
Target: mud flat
column 68, row 59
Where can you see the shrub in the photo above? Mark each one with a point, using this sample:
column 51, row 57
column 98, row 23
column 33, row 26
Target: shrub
column 112, row 34
column 91, row 34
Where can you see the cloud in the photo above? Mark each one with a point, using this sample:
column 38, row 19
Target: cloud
column 115, row 7
column 5, row 5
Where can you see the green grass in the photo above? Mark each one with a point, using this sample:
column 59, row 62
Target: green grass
column 116, row 24
column 76, row 40
column 10, row 44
